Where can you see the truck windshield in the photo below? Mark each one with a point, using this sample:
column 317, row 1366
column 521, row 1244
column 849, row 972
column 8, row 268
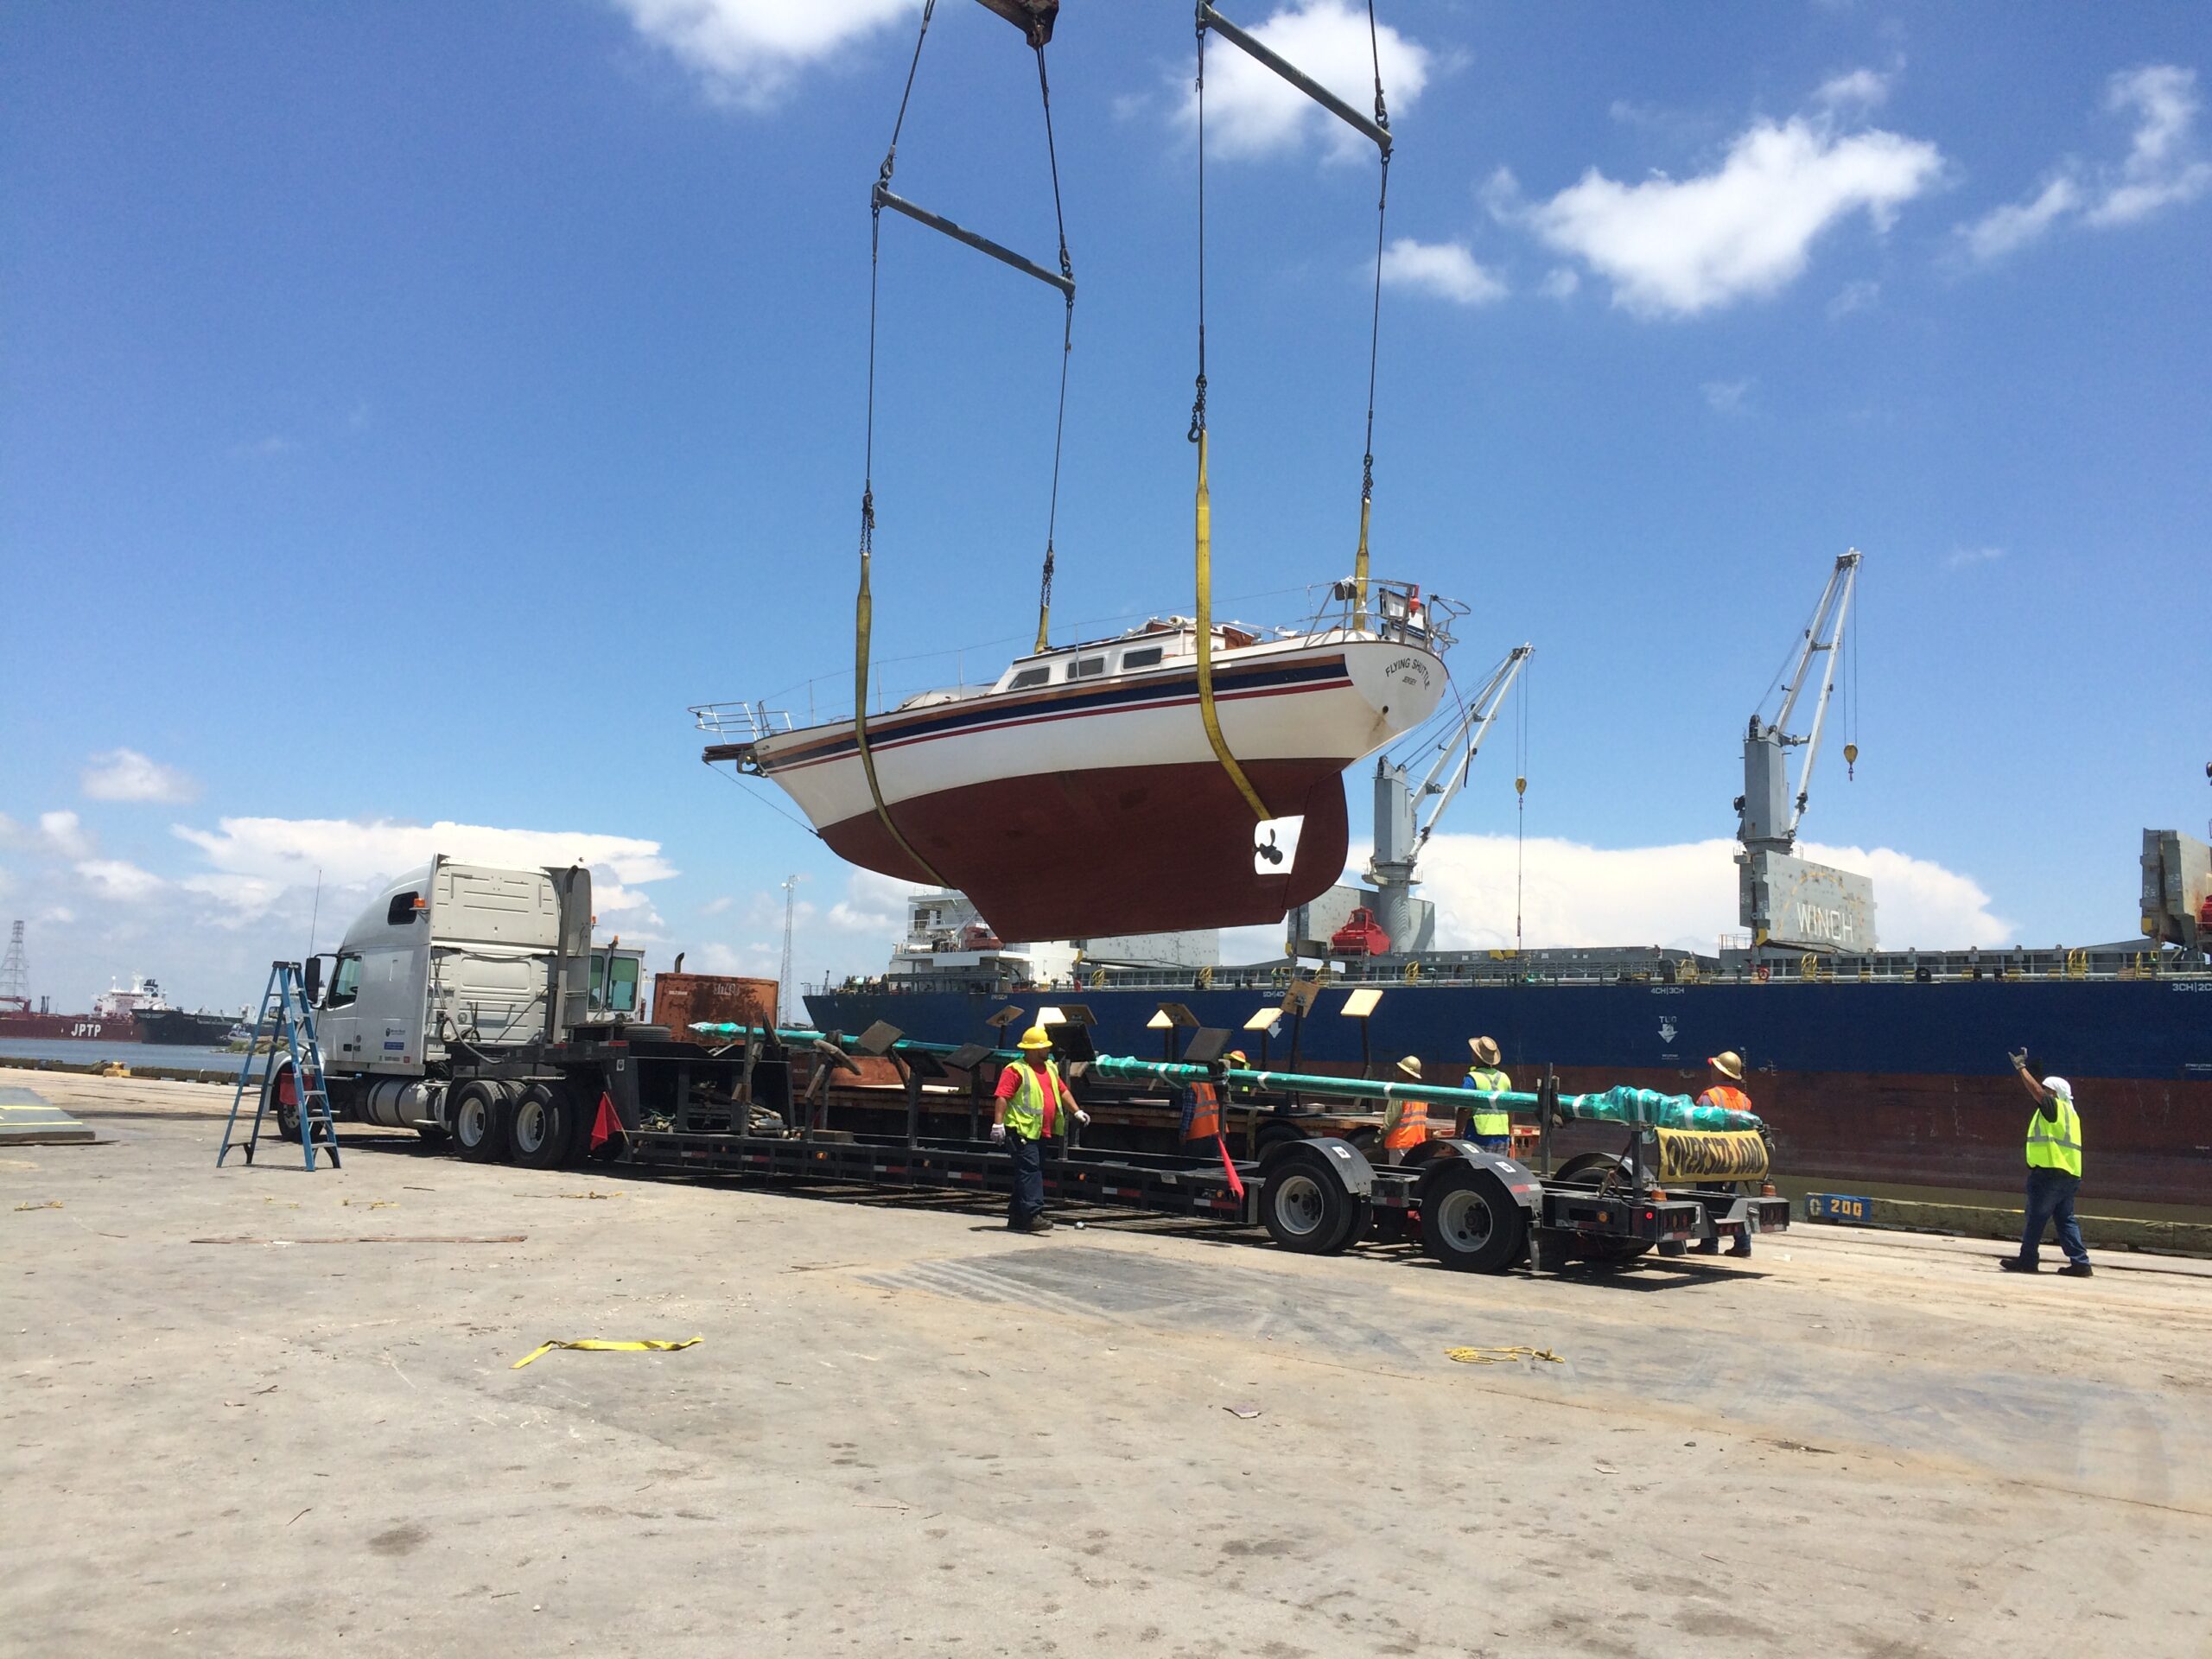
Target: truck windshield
column 614, row 984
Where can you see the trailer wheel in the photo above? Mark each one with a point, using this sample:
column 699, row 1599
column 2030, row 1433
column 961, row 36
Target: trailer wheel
column 1611, row 1174
column 481, row 1113
column 542, row 1126
column 1304, row 1206
column 1356, row 1228
column 1469, row 1221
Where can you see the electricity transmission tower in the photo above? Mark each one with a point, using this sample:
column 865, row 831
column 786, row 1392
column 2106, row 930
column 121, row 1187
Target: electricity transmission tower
column 15, row 974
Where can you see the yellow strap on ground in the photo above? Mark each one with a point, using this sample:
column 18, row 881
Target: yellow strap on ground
column 1359, row 567
column 593, row 1345
column 864, row 629
column 1206, row 645
column 1500, row 1356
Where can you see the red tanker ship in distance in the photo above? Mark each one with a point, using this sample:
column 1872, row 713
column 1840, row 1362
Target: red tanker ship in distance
column 114, row 1018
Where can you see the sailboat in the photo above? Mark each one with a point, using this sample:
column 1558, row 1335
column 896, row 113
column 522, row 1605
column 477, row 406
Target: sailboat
column 1080, row 794
column 1185, row 775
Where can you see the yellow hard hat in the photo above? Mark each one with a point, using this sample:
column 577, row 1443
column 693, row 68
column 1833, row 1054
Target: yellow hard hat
column 1035, row 1037
column 1729, row 1064
column 1237, row 1055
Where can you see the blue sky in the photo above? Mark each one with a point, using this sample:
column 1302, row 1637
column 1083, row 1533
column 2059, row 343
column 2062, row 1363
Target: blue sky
column 406, row 412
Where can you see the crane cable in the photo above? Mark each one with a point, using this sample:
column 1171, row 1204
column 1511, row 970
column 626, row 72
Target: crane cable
column 864, row 605
column 1067, row 343
column 1038, row 29
column 1374, row 336
column 1203, row 513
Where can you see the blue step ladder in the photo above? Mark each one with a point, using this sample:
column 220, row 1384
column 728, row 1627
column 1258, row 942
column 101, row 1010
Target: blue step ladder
column 289, row 1023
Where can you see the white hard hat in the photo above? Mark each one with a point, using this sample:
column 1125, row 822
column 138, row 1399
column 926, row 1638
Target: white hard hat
column 2059, row 1086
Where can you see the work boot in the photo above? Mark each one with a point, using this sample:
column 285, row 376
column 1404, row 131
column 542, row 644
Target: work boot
column 1040, row 1225
column 1741, row 1247
column 1708, row 1247
column 2077, row 1270
column 2014, row 1264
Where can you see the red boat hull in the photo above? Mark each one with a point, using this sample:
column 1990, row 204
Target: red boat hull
column 69, row 1027
column 1120, row 849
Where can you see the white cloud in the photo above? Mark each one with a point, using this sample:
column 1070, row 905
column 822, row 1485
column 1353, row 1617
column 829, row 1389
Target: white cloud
column 1861, row 89
column 875, row 904
column 2002, row 230
column 1559, row 282
column 348, row 854
column 716, row 906
column 240, row 900
column 2162, row 169
column 112, row 878
column 1962, row 556
column 1252, row 111
column 1743, row 230
column 127, row 775
column 749, row 51
column 1683, row 896
column 62, row 833
column 1727, row 396
column 1859, row 296
column 1445, row 270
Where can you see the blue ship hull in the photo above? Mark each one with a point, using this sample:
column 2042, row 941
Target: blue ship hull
column 1887, row 1081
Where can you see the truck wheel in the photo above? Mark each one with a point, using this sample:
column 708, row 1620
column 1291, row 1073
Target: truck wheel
column 542, row 1126
column 1304, row 1206
column 481, row 1112
column 1469, row 1221
column 1609, row 1174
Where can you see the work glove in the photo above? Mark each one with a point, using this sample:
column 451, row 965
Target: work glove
column 1084, row 1118
column 998, row 1134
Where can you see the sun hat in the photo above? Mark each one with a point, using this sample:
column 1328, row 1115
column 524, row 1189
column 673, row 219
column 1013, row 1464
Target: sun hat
column 1486, row 1050
column 1729, row 1064
column 1410, row 1065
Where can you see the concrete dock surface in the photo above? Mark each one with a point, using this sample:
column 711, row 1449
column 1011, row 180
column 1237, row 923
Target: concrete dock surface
column 905, row 1430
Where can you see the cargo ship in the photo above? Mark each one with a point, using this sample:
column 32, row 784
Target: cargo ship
column 113, row 1018
column 137, row 1012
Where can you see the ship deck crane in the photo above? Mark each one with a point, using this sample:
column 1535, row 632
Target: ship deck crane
column 1401, row 827
column 1783, row 899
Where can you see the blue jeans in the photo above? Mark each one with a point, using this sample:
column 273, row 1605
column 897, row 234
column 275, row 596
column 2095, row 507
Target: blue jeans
column 1500, row 1144
column 2050, row 1199
column 1027, row 1202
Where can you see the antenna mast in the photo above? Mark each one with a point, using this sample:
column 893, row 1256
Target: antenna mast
column 784, row 975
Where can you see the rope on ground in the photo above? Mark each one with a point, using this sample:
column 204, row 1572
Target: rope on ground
column 1501, row 1356
column 593, row 1345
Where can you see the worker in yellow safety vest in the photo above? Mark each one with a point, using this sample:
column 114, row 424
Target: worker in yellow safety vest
column 1726, row 1091
column 2054, row 1174
column 1405, row 1122
column 1491, row 1126
column 1024, row 1113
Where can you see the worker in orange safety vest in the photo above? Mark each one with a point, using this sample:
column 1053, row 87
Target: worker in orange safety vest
column 1727, row 1091
column 1405, row 1122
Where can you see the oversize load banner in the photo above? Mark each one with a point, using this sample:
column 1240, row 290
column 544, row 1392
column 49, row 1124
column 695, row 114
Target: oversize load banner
column 1711, row 1155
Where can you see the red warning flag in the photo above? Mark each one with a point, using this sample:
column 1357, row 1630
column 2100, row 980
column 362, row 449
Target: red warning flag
column 607, row 1125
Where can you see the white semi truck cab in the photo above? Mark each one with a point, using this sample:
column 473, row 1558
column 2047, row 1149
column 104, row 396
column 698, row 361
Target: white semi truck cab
column 451, row 964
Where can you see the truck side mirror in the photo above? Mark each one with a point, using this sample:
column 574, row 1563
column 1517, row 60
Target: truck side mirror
column 311, row 973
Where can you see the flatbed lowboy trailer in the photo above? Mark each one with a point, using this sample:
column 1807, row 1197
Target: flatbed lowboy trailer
column 756, row 1108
